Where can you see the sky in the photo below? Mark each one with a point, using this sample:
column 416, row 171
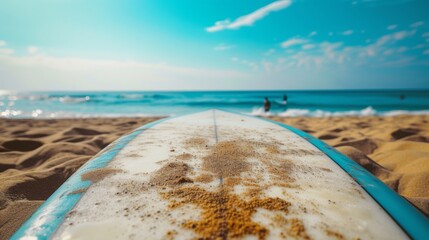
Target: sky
column 213, row 44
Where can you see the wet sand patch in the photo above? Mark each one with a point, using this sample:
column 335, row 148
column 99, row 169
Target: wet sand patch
column 79, row 191
column 227, row 159
column 98, row 174
column 171, row 174
column 131, row 188
column 184, row 156
column 196, row 142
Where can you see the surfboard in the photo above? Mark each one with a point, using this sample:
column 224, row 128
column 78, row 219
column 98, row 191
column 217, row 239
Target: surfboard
column 222, row 175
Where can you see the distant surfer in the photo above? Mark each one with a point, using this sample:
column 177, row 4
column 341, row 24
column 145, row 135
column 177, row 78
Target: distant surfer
column 402, row 97
column 267, row 104
column 284, row 99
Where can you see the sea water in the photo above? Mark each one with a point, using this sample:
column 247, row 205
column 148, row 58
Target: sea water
column 163, row 103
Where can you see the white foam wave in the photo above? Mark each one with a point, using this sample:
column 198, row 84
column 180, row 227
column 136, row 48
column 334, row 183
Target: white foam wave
column 368, row 111
column 74, row 100
column 404, row 112
column 40, row 114
column 132, row 96
column 261, row 112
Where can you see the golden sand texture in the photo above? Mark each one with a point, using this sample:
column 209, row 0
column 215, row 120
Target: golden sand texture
column 292, row 227
column 224, row 215
column 204, row 178
column 12, row 213
column 297, row 229
column 394, row 148
column 334, row 234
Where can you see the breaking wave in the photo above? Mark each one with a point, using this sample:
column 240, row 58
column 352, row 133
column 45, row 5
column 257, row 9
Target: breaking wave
column 368, row 111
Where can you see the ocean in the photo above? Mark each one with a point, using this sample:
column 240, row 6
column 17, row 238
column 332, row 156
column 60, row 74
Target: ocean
column 160, row 103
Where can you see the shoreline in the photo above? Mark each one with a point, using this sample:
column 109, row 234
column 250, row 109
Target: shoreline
column 38, row 155
column 257, row 112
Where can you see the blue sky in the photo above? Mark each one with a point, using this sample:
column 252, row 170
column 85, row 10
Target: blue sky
column 213, row 45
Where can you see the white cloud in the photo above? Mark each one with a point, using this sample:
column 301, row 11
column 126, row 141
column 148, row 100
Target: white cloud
column 399, row 62
column 385, row 44
column 219, row 25
column 392, row 27
column 382, row 52
column 417, row 24
column 6, row 51
column 269, row 52
column 348, row 32
column 307, row 46
column 249, row 19
column 403, row 34
column 391, row 51
column 223, row 47
column 293, row 41
column 2, row 43
column 267, row 66
column 32, row 49
column 394, row 37
column 281, row 60
column 253, row 65
column 314, row 33
column 43, row 72
column 379, row 54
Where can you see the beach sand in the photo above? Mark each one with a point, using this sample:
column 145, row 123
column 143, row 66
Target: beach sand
column 395, row 148
column 37, row 156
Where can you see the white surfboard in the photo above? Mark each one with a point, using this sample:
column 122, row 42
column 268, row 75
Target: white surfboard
column 211, row 175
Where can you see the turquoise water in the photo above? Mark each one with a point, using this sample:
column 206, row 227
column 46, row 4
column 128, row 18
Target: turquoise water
column 300, row 103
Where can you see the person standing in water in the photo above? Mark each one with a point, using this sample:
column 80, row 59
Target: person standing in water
column 284, row 99
column 267, row 104
column 285, row 102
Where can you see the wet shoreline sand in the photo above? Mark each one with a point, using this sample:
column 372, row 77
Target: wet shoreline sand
column 37, row 156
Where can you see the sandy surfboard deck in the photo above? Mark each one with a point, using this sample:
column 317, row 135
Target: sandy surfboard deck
column 220, row 175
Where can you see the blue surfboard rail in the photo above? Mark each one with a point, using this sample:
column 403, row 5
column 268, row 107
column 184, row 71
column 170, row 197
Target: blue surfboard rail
column 45, row 221
column 411, row 220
